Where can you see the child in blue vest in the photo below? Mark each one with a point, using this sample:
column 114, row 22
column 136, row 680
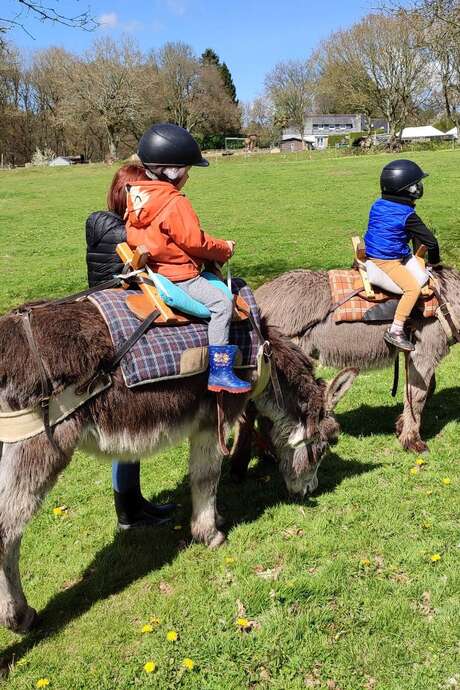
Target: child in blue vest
column 393, row 224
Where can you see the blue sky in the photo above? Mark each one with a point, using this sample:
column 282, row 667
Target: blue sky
column 251, row 36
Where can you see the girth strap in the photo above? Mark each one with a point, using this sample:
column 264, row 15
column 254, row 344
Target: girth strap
column 46, row 386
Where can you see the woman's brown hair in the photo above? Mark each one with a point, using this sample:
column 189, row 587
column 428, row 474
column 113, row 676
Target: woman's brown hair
column 116, row 197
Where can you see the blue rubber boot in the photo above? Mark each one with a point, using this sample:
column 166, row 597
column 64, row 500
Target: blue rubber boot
column 221, row 374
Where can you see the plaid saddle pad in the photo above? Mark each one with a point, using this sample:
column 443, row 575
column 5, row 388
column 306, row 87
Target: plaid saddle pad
column 345, row 282
column 168, row 352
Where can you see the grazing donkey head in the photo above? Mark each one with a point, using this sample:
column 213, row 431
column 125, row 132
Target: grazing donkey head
column 304, row 427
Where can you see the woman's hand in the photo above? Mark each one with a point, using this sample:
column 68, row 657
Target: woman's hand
column 231, row 244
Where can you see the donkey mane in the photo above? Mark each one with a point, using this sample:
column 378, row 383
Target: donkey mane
column 297, row 369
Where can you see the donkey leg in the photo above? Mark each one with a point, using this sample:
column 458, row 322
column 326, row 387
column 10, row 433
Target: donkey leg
column 420, row 377
column 205, row 465
column 27, row 471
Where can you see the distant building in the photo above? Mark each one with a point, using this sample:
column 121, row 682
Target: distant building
column 319, row 127
column 60, row 160
column 67, row 160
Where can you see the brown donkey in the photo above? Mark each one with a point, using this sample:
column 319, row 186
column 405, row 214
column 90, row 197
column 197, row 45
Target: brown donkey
column 73, row 341
column 299, row 304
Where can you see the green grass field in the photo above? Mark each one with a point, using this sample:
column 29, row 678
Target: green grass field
column 343, row 589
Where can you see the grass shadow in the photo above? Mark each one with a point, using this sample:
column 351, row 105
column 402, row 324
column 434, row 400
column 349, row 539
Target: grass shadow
column 243, row 504
column 131, row 556
column 443, row 407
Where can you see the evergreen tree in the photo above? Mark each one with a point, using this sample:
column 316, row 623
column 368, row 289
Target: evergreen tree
column 210, row 57
column 228, row 82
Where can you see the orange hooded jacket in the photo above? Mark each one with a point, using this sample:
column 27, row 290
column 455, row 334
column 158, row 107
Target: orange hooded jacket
column 161, row 218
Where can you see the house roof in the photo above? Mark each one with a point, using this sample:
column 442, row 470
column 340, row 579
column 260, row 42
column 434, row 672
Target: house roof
column 424, row 132
column 453, row 132
column 307, row 137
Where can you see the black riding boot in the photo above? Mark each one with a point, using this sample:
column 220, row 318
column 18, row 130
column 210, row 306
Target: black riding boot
column 135, row 512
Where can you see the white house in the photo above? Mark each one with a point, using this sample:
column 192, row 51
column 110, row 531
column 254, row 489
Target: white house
column 318, row 128
column 453, row 132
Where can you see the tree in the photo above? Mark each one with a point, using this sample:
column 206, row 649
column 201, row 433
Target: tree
column 210, row 57
column 378, row 67
column 290, row 88
column 111, row 82
column 36, row 9
column 259, row 120
column 194, row 94
column 438, row 23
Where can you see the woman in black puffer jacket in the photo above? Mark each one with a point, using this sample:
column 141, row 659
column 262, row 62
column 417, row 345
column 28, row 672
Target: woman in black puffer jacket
column 104, row 230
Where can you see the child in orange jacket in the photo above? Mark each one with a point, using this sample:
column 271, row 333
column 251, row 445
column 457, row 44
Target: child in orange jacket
column 162, row 219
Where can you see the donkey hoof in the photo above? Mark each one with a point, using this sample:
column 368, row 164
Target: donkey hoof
column 26, row 622
column 217, row 540
column 419, row 447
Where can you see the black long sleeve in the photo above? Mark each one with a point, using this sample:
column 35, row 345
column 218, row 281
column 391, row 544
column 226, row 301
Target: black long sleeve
column 420, row 234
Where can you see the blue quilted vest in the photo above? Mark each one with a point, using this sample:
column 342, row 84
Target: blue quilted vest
column 386, row 236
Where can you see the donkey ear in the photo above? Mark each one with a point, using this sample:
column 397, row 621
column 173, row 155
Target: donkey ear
column 337, row 388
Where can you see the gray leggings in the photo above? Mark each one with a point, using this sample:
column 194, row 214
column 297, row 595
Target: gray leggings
column 218, row 304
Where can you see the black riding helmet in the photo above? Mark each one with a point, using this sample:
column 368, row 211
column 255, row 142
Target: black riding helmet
column 169, row 145
column 398, row 176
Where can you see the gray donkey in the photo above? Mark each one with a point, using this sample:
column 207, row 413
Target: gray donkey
column 299, row 304
column 73, row 341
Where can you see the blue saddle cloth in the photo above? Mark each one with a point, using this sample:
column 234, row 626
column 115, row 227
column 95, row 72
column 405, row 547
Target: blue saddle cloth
column 159, row 354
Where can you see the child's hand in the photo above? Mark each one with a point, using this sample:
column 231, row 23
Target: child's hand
column 231, row 244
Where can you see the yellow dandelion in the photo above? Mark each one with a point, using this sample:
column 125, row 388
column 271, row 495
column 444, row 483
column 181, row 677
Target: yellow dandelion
column 147, row 628
column 229, row 560
column 189, row 664
column 365, row 562
column 150, row 667
column 436, row 557
column 172, row 636
column 42, row 683
column 420, row 462
column 413, row 470
column 446, row 481
column 242, row 622
column 59, row 511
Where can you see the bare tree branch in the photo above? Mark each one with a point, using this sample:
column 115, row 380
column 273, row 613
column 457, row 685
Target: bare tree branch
column 39, row 11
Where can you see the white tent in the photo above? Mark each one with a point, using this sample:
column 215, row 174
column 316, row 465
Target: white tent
column 425, row 132
column 453, row 132
column 60, row 160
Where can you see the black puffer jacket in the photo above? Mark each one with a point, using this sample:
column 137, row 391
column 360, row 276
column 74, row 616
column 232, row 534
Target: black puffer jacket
column 104, row 230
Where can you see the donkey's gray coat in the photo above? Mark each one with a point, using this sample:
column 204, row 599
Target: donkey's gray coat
column 74, row 342
column 298, row 303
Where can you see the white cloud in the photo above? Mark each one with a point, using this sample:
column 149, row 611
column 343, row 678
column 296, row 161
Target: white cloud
column 177, row 7
column 109, row 21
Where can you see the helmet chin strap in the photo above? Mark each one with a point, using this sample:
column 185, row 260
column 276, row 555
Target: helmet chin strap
column 415, row 190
